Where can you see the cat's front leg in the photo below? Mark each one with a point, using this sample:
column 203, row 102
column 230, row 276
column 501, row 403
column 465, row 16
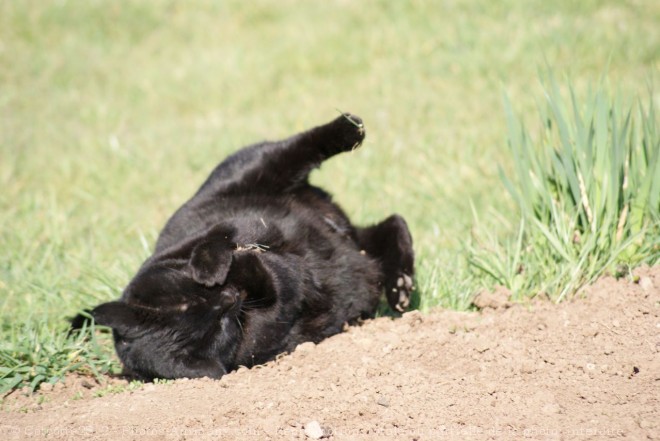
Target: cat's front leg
column 344, row 133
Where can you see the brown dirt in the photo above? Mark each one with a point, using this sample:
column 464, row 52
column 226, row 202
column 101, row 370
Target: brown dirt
column 586, row 369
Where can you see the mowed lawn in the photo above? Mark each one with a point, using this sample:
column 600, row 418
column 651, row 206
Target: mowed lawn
column 113, row 113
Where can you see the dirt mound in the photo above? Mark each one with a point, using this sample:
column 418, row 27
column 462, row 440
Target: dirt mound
column 587, row 369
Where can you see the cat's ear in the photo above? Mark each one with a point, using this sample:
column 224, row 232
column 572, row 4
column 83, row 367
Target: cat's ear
column 211, row 259
column 120, row 316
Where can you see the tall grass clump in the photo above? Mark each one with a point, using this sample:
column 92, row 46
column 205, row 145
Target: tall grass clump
column 587, row 190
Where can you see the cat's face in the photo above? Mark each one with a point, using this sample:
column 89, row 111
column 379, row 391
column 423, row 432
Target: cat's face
column 195, row 337
column 182, row 317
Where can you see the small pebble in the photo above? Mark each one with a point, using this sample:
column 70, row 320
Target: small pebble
column 313, row 430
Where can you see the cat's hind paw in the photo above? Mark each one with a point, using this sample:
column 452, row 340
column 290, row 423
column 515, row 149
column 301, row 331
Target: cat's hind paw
column 398, row 292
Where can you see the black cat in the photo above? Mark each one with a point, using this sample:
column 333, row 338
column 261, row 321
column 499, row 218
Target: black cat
column 257, row 262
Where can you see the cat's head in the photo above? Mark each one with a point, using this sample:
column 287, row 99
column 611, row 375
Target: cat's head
column 182, row 315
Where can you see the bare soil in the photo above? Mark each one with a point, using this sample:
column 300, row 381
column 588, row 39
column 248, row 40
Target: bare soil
column 585, row 369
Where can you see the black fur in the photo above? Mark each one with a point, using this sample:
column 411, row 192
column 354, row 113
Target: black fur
column 257, row 262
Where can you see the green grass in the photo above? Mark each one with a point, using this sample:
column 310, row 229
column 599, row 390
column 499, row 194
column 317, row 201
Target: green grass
column 587, row 190
column 111, row 115
column 35, row 353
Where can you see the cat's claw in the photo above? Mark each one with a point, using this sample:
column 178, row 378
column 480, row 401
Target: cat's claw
column 400, row 294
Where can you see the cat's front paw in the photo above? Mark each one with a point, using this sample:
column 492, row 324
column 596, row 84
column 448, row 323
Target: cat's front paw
column 398, row 292
column 347, row 131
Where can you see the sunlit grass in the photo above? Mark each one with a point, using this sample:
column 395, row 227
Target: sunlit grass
column 111, row 115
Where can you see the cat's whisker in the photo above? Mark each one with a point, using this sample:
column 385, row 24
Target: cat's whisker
column 256, row 303
column 240, row 325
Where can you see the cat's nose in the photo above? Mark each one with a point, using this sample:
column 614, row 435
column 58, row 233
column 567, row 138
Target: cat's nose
column 228, row 298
